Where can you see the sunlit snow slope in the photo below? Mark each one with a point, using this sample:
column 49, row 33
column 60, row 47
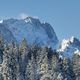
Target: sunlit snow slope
column 69, row 47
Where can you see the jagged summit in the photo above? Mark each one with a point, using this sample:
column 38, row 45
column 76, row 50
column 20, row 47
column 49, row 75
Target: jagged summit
column 71, row 41
column 32, row 29
column 77, row 52
column 32, row 20
column 69, row 46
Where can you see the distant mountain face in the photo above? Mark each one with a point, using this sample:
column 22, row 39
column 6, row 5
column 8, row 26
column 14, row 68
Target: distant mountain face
column 69, row 47
column 30, row 28
column 38, row 33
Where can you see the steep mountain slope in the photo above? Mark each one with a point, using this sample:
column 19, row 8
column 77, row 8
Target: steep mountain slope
column 6, row 34
column 32, row 29
column 69, row 46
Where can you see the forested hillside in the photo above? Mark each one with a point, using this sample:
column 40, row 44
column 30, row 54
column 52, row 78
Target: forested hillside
column 23, row 62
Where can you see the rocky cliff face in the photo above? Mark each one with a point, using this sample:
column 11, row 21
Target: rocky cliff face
column 30, row 28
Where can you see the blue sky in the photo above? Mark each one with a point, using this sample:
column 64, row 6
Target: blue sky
column 63, row 15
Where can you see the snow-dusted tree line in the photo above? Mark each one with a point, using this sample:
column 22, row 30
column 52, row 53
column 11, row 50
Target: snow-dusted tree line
column 23, row 62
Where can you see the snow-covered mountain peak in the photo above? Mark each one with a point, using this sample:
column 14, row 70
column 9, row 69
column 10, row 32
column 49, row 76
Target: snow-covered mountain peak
column 69, row 46
column 1, row 21
column 77, row 52
column 32, row 29
column 32, row 20
column 72, row 39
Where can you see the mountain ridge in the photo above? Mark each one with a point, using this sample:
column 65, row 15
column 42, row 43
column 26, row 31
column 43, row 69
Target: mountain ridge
column 33, row 30
column 38, row 33
column 68, row 47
